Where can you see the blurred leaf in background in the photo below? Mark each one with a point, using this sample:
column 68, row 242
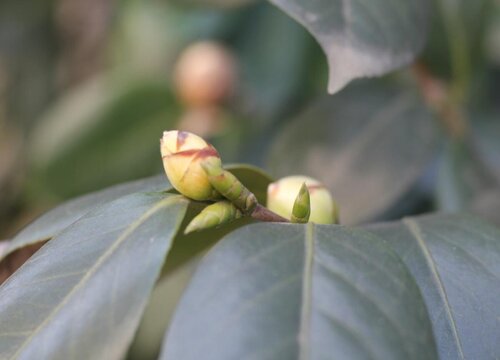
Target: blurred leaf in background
column 27, row 54
column 11, row 154
column 83, row 30
column 100, row 136
column 456, row 44
column 358, row 38
column 369, row 145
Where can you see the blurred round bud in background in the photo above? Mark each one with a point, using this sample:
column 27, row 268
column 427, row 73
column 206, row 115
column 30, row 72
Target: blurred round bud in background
column 281, row 196
column 182, row 153
column 205, row 74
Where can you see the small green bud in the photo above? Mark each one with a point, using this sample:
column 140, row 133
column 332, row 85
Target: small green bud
column 302, row 206
column 230, row 187
column 281, row 197
column 214, row 215
column 182, row 153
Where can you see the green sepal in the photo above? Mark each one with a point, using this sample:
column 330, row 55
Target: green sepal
column 230, row 187
column 213, row 215
column 302, row 206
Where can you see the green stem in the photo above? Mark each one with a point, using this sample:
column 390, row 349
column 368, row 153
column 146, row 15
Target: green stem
column 264, row 214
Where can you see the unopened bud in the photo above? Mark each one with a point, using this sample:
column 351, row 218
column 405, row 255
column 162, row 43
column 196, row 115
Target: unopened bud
column 205, row 74
column 301, row 210
column 182, row 154
column 230, row 187
column 281, row 196
column 213, row 215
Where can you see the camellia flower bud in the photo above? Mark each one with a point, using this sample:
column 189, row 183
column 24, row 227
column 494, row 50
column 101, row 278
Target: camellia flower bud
column 182, row 154
column 213, row 215
column 281, row 196
column 205, row 74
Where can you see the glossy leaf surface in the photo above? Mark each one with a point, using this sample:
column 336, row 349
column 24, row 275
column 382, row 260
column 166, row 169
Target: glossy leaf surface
column 82, row 295
column 456, row 262
column 270, row 291
column 362, row 37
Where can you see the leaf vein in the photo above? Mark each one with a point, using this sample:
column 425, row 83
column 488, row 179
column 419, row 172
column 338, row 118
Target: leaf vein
column 469, row 255
column 398, row 330
column 102, row 258
column 353, row 334
column 370, row 261
column 415, row 230
column 306, row 304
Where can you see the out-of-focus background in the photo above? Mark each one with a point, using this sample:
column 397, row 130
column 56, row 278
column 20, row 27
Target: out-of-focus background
column 87, row 87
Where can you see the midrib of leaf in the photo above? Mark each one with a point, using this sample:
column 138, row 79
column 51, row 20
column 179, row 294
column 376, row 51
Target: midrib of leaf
column 416, row 232
column 128, row 231
column 305, row 310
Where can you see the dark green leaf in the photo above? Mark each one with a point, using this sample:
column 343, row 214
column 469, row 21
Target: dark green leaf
column 186, row 252
column 271, row 77
column 59, row 218
column 368, row 145
column 271, row 291
column 82, row 295
column 456, row 262
column 363, row 37
column 182, row 260
column 160, row 309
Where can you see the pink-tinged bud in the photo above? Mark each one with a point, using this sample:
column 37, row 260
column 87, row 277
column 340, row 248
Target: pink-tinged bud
column 281, row 196
column 205, row 74
column 182, row 154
